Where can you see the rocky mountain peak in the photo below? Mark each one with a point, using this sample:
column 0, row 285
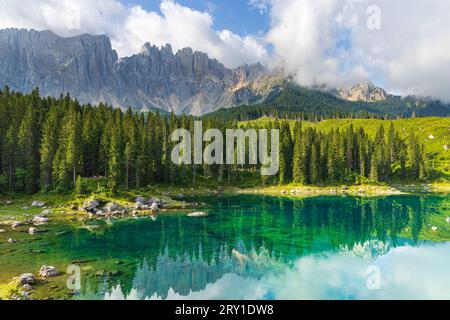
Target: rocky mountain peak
column 88, row 68
column 365, row 91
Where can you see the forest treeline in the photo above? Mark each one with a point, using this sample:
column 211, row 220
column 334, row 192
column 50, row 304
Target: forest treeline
column 55, row 144
column 295, row 102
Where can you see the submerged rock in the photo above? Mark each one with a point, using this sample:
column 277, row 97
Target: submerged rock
column 48, row 271
column 39, row 204
column 27, row 287
column 45, row 213
column 199, row 214
column 448, row 219
column 40, row 220
column 16, row 224
column 434, row 228
column 27, row 278
column 33, row 231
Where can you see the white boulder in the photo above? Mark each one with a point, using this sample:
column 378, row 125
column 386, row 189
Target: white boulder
column 27, row 278
column 48, row 271
column 39, row 204
column 199, row 214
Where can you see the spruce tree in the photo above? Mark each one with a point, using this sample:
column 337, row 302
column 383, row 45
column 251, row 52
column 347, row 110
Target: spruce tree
column 298, row 175
column 29, row 140
column 286, row 153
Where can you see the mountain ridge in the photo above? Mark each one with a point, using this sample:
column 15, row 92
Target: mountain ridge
column 185, row 82
column 89, row 69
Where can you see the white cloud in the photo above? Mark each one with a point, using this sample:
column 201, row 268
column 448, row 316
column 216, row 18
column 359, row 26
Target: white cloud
column 263, row 6
column 405, row 273
column 129, row 27
column 328, row 41
column 320, row 41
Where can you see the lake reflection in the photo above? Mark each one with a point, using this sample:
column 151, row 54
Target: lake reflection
column 255, row 247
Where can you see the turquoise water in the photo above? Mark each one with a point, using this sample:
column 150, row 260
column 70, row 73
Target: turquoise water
column 255, row 247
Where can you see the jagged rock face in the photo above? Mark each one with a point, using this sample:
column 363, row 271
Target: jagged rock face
column 82, row 65
column 86, row 67
column 366, row 92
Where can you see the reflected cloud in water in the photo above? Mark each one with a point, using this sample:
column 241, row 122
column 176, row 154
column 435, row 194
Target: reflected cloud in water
column 406, row 273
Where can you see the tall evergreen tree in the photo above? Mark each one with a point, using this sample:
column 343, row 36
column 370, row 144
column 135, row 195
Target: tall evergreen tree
column 286, row 153
column 29, row 140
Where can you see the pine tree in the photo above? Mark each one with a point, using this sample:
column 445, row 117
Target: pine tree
column 298, row 175
column 73, row 143
column 286, row 154
column 378, row 171
column 49, row 146
column 29, row 140
column 315, row 163
column 115, row 153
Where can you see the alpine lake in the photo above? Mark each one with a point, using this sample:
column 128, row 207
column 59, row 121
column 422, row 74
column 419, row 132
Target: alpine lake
column 248, row 247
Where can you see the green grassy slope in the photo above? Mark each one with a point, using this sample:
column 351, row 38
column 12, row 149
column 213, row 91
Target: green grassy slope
column 422, row 127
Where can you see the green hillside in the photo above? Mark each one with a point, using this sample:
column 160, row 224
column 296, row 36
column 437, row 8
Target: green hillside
column 424, row 128
column 293, row 101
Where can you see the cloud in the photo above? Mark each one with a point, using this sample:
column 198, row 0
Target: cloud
column 404, row 272
column 403, row 44
column 263, row 6
column 320, row 41
column 129, row 27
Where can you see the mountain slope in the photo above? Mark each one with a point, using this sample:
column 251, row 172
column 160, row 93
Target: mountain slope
column 292, row 100
column 89, row 69
column 186, row 82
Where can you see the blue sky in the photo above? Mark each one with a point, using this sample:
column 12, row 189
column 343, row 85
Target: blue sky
column 234, row 15
column 319, row 42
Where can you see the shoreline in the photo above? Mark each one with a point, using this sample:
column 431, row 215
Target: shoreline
column 365, row 191
column 176, row 199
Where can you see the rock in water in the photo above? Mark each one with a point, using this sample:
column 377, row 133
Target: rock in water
column 27, row 287
column 154, row 207
column 45, row 213
column 199, row 214
column 27, row 278
column 48, row 271
column 434, row 228
column 2, row 231
column 16, row 225
column 12, row 241
column 33, row 231
column 448, row 219
column 38, row 204
column 40, row 220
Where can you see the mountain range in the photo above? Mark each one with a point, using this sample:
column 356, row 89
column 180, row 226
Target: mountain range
column 186, row 81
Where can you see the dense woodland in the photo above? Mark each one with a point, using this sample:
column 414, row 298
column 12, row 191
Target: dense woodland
column 49, row 144
column 295, row 102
